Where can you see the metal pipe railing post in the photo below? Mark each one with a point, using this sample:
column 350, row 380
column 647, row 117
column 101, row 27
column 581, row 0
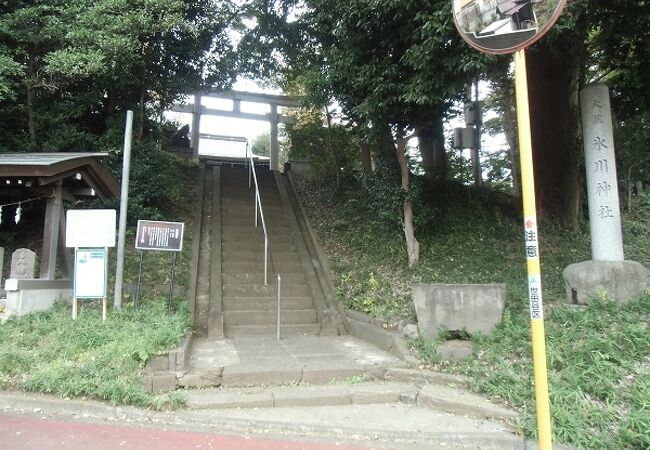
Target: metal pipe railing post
column 266, row 260
column 257, row 201
column 279, row 297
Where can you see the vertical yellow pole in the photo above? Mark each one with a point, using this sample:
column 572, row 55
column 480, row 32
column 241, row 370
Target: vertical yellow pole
column 532, row 255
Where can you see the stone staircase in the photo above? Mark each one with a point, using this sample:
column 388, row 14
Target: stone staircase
column 250, row 307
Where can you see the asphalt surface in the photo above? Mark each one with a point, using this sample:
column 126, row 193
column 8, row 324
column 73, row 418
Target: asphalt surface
column 27, row 433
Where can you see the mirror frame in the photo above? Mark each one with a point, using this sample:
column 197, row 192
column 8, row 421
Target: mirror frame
column 504, row 51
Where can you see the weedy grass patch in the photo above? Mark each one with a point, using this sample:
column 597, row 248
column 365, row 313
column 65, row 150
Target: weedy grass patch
column 598, row 356
column 51, row 353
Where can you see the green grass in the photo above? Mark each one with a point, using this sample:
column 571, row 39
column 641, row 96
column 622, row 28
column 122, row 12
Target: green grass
column 598, row 357
column 49, row 352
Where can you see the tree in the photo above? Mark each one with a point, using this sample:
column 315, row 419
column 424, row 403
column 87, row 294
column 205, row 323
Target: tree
column 262, row 144
column 592, row 41
column 74, row 66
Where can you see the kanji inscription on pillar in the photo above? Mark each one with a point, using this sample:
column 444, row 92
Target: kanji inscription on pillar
column 600, row 163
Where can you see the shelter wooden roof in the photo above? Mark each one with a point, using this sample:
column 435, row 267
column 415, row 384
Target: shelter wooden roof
column 82, row 174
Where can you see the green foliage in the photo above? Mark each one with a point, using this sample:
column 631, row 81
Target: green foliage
column 262, row 145
column 49, row 352
column 67, row 69
column 329, row 149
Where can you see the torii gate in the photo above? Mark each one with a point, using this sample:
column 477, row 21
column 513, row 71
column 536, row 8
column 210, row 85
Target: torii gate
column 197, row 110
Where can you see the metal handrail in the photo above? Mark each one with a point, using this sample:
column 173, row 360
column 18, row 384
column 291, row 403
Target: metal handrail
column 252, row 175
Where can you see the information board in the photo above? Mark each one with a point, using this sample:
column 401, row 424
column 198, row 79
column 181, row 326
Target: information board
column 90, row 273
column 157, row 235
column 90, row 228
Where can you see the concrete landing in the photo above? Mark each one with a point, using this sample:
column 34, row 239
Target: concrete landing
column 263, row 360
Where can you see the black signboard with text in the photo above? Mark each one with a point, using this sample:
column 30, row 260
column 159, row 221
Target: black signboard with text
column 157, row 235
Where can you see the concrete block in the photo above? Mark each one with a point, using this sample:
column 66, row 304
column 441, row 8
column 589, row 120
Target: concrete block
column 457, row 401
column 423, row 377
column 163, row 382
column 147, row 383
column 312, row 396
column 470, row 307
column 389, row 341
column 29, row 295
column 157, row 364
column 380, row 393
column 260, row 374
column 619, row 280
column 455, row 350
column 410, row 331
column 409, row 397
column 229, row 399
column 321, row 375
column 201, row 379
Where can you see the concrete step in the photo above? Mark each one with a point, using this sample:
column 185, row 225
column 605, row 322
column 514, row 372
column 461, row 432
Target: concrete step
column 230, row 267
column 260, row 290
column 256, row 246
column 245, row 221
column 255, row 239
column 265, row 303
column 247, row 211
column 251, row 230
column 241, row 209
column 287, row 396
column 251, row 256
column 253, row 317
column 258, row 277
column 246, row 201
column 268, row 193
column 270, row 330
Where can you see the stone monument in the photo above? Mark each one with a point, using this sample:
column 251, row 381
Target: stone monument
column 23, row 264
column 608, row 273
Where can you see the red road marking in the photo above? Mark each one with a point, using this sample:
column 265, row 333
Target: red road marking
column 20, row 433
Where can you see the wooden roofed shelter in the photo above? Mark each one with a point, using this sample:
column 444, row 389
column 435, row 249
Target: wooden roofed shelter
column 56, row 177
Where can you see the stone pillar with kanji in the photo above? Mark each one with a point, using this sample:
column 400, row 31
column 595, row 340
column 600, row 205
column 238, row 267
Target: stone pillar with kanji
column 607, row 274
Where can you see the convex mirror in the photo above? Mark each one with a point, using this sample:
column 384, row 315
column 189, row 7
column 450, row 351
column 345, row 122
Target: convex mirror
column 505, row 26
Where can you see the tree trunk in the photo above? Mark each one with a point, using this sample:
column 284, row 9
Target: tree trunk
column 553, row 90
column 140, row 133
column 510, row 130
column 29, row 86
column 366, row 158
column 431, row 140
column 31, row 125
column 332, row 150
column 412, row 244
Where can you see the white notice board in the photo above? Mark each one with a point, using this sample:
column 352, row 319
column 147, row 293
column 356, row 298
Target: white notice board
column 90, row 271
column 90, row 228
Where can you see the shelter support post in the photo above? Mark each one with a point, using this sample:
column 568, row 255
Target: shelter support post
column 275, row 146
column 196, row 126
column 65, row 260
column 53, row 211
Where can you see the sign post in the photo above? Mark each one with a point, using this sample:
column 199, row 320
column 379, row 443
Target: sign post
column 161, row 236
column 90, row 232
column 90, row 277
column 504, row 28
column 531, row 241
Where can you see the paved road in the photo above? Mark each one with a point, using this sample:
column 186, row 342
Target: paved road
column 27, row 433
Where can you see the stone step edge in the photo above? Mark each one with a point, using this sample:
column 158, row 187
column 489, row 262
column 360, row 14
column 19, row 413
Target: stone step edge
column 448, row 400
